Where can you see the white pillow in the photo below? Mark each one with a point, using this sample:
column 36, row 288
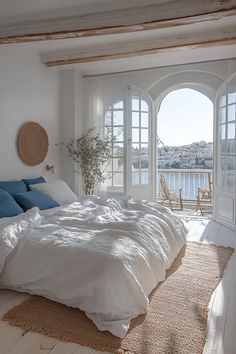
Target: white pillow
column 58, row 190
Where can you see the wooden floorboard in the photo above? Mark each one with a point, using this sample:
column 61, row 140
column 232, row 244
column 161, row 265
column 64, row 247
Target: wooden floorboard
column 221, row 317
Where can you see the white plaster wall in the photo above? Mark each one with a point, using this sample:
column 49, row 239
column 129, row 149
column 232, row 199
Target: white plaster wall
column 28, row 92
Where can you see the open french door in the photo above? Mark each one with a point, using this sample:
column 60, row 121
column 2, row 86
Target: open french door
column 139, row 144
column 130, row 171
column 225, row 154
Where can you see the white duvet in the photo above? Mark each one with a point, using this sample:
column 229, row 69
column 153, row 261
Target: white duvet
column 100, row 255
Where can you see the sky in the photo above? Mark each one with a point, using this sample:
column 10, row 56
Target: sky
column 185, row 116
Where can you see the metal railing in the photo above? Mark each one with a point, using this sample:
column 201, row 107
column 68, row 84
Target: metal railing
column 187, row 179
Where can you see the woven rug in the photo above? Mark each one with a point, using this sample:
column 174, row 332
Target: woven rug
column 175, row 324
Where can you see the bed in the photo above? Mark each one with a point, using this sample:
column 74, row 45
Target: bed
column 101, row 255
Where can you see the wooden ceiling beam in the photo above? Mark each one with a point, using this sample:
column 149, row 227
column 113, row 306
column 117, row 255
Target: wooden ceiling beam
column 138, row 48
column 164, row 15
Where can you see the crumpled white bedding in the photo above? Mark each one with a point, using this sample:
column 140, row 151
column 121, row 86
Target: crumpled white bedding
column 101, row 255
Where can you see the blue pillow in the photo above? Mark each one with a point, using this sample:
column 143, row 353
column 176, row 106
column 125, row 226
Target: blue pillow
column 29, row 181
column 8, row 206
column 28, row 200
column 13, row 186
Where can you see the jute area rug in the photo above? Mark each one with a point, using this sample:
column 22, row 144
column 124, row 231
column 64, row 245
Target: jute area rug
column 175, row 324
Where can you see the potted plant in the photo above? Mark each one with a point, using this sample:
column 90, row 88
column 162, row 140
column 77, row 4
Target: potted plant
column 92, row 154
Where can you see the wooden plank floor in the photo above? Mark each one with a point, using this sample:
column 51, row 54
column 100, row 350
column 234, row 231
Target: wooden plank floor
column 221, row 337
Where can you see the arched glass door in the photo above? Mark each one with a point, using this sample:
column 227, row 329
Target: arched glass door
column 139, row 150
column 130, row 170
column 226, row 154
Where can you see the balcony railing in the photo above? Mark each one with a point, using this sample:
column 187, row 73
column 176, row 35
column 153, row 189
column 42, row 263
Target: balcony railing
column 187, row 179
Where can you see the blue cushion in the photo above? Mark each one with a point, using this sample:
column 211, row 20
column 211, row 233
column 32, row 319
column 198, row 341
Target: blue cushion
column 28, row 200
column 29, row 181
column 13, row 186
column 8, row 205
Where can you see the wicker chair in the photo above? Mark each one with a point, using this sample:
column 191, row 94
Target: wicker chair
column 171, row 199
column 204, row 197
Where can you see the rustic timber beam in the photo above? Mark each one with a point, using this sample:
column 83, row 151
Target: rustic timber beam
column 138, row 48
column 164, row 15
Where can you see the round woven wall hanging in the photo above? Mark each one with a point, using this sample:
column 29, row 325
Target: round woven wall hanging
column 32, row 143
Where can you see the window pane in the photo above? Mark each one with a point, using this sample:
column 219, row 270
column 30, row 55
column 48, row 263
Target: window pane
column 222, row 115
column 230, row 180
column 232, row 96
column 222, row 132
column 135, row 119
column 231, row 163
column 135, row 177
column 118, row 133
column 135, row 104
column 135, row 147
column 144, row 135
column 118, row 149
column 144, row 120
column 144, row 156
column 230, row 146
column 231, row 131
column 118, row 164
column 118, row 118
column 135, row 134
column 223, row 101
column 144, row 106
column 231, row 112
column 135, row 159
column 119, row 105
column 108, row 179
column 108, row 131
column 108, row 118
column 118, row 179
column 109, row 166
column 144, row 177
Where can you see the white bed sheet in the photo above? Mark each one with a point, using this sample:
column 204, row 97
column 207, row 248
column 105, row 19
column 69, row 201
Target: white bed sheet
column 100, row 255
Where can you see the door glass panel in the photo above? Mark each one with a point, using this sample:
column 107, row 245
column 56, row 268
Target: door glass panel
column 144, row 106
column 135, row 135
column 144, row 120
column 119, row 105
column 230, row 180
column 135, row 119
column 118, row 179
column 230, row 146
column 118, row 149
column 222, row 147
column 222, row 132
column 118, row 133
column 231, row 112
column 118, row 118
column 135, row 177
column 144, row 135
column 231, row 131
column 118, row 165
column 223, row 101
column 114, row 126
column 144, row 177
column 222, row 115
column 135, row 104
column 231, row 163
column 231, row 93
column 108, row 118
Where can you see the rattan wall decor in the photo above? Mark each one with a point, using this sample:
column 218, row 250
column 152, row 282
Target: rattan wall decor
column 32, row 143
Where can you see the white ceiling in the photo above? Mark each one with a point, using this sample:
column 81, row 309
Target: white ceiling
column 13, row 11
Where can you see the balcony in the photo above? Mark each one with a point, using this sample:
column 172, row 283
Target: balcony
column 189, row 180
